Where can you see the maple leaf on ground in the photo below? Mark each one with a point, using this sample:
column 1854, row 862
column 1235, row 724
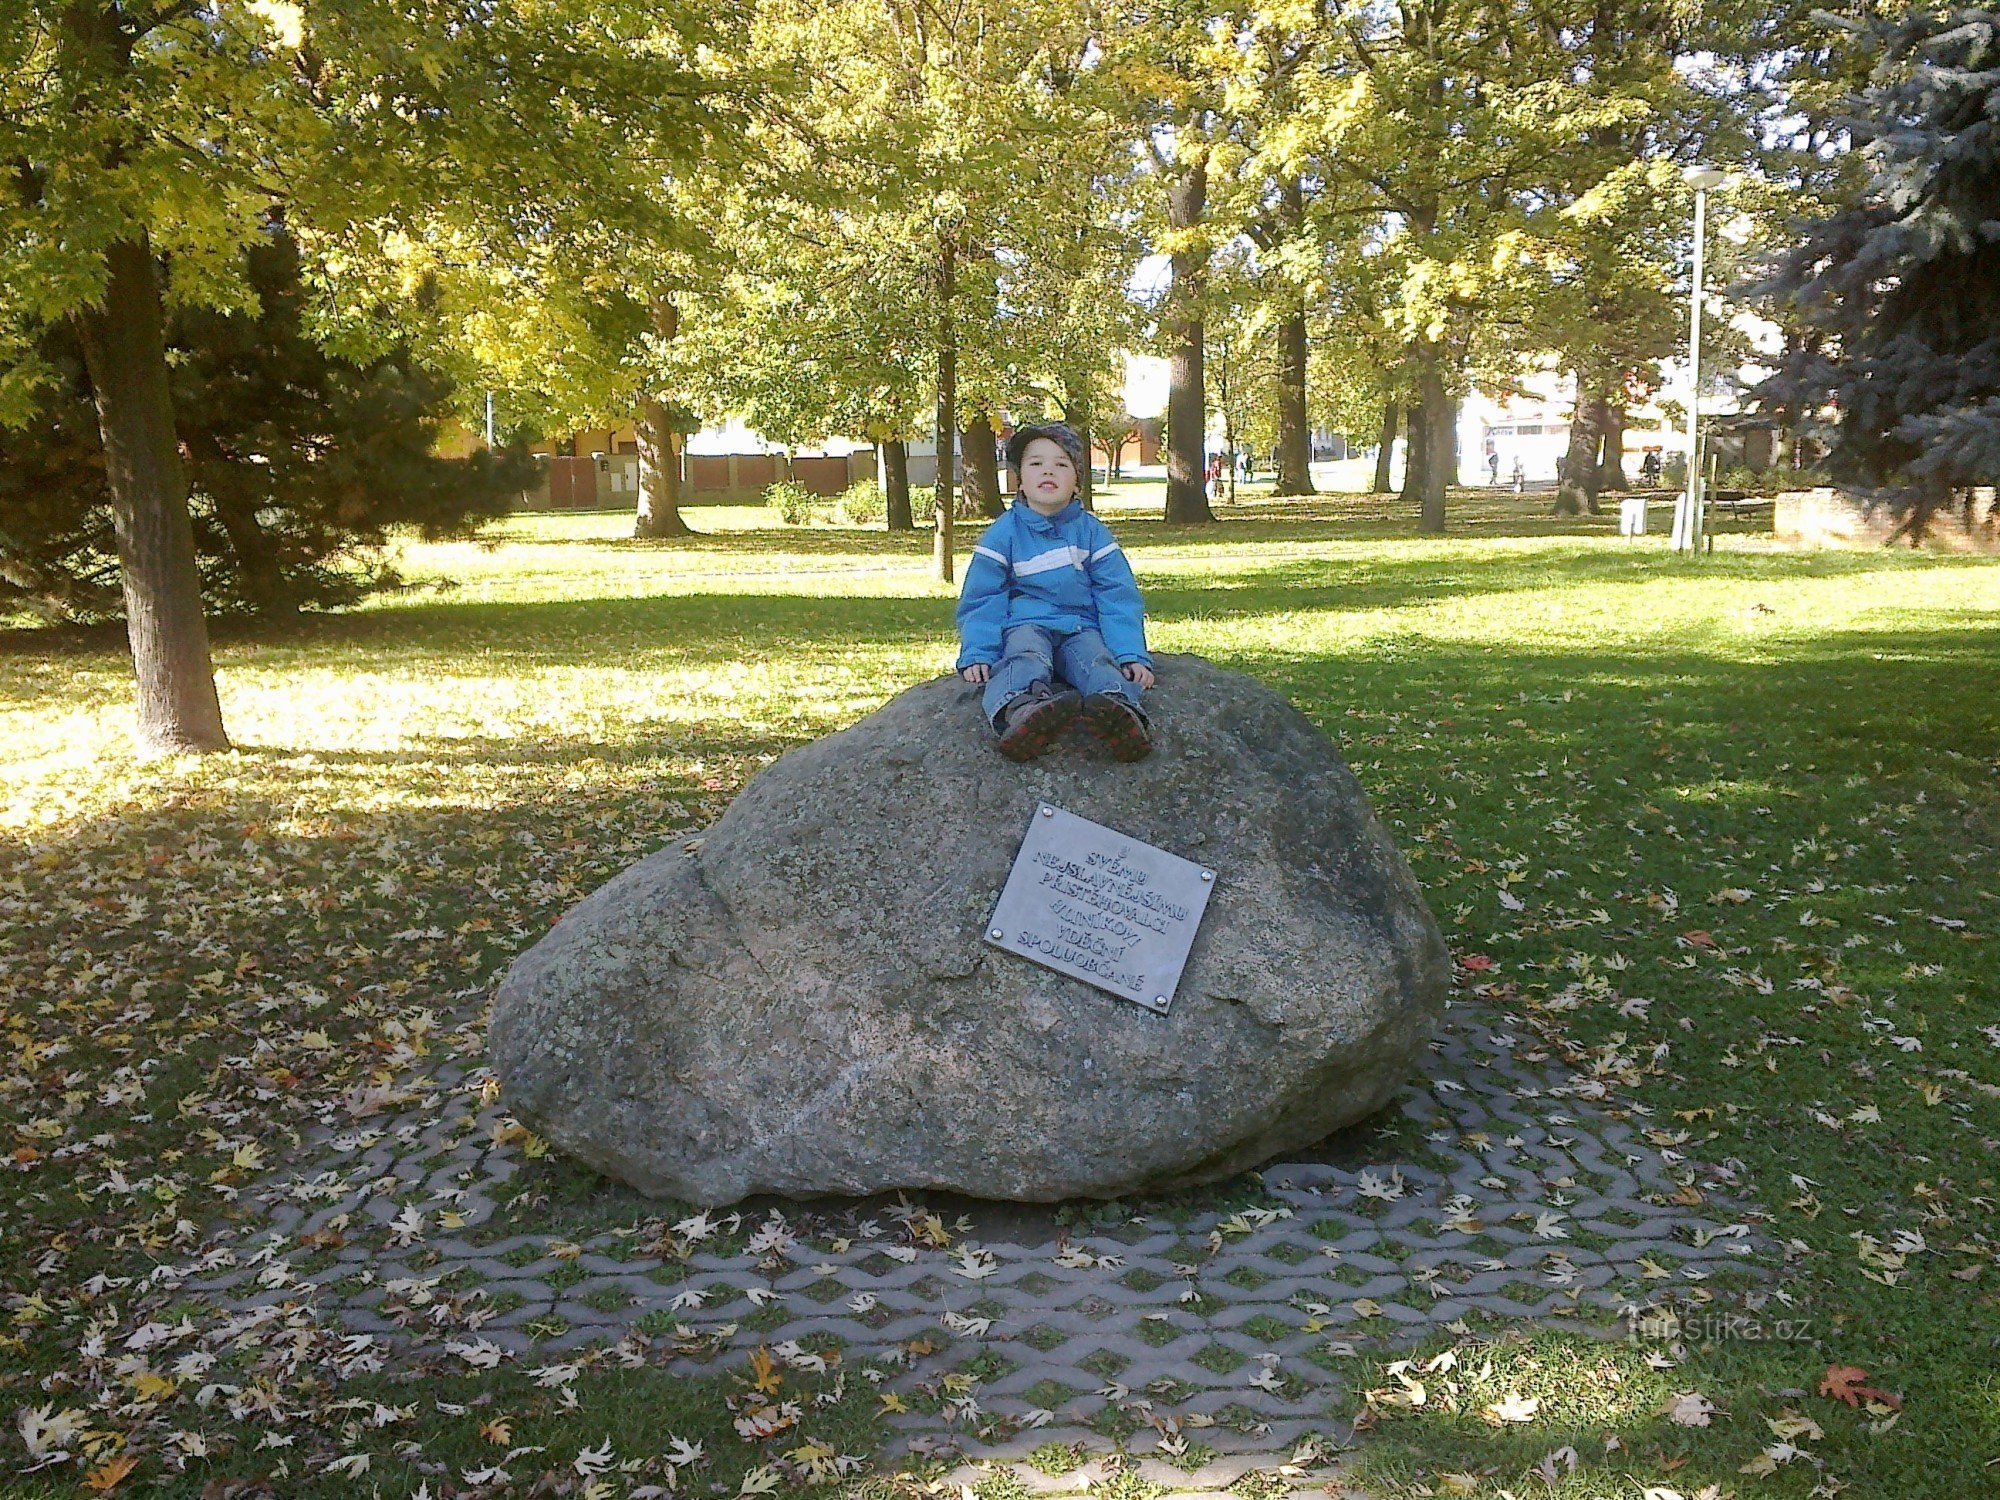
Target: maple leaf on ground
column 1554, row 1465
column 1689, row 1409
column 1843, row 1383
column 590, row 1462
column 44, row 1431
column 1790, row 1424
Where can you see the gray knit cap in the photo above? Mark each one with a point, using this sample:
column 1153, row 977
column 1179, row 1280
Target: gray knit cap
column 1058, row 433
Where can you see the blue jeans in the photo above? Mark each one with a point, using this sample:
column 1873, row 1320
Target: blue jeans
column 1031, row 653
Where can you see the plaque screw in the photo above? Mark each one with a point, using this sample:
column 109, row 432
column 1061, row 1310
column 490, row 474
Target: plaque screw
column 996, row 934
column 1208, row 874
column 1159, row 1002
column 1048, row 812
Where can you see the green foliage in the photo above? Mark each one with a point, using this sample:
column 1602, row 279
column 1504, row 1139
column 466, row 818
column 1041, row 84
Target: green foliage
column 1899, row 292
column 795, row 504
column 863, row 503
column 417, row 160
column 300, row 463
column 923, row 505
column 370, row 128
column 951, row 186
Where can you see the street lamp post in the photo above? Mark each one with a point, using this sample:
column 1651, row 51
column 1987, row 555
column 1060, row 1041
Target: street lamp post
column 1689, row 507
column 1688, row 518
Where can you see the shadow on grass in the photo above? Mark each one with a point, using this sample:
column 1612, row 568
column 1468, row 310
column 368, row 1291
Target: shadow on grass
column 703, row 628
column 650, row 748
column 1851, row 685
column 1414, row 574
column 1327, row 518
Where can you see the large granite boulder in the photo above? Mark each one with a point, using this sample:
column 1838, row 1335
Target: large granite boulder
column 801, row 1001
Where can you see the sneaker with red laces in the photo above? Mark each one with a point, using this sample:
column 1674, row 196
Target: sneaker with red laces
column 1118, row 724
column 1035, row 723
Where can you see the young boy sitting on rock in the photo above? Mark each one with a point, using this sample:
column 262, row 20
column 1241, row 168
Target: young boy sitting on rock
column 1050, row 619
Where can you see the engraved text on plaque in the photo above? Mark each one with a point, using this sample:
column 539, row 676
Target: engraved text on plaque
column 1087, row 901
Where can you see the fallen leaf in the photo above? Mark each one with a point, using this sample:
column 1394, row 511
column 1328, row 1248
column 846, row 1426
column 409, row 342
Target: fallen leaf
column 106, row 1476
column 1843, row 1383
column 1689, row 1409
column 1513, row 1407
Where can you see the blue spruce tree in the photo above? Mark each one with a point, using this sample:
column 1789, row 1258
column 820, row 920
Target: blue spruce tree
column 1900, row 292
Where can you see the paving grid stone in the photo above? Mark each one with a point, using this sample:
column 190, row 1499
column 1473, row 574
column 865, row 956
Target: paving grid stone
column 1520, row 1199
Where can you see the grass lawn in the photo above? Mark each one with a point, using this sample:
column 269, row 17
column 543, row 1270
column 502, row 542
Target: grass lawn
column 1728, row 831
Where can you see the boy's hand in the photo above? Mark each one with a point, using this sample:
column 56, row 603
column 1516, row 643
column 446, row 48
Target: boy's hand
column 1139, row 672
column 979, row 671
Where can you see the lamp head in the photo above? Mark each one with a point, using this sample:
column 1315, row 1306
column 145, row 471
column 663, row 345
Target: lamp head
column 1701, row 179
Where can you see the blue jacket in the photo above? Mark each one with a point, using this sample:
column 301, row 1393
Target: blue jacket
column 1062, row 572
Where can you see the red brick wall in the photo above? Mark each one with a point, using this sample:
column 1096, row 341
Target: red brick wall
column 821, row 476
column 707, row 472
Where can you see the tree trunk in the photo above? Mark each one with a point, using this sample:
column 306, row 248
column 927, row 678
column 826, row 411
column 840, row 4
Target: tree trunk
column 1440, row 439
column 235, row 500
column 1416, row 455
column 1392, row 419
column 1077, row 414
column 1611, row 468
column 124, row 349
column 982, row 468
column 1294, row 429
column 1086, row 482
column 1229, row 452
column 659, row 447
column 1220, row 365
column 259, row 570
column 896, row 484
column 947, row 412
column 1187, row 396
column 659, row 472
column 1576, row 489
column 1784, row 448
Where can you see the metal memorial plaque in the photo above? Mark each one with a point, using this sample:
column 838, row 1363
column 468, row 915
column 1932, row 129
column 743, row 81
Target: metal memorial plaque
column 1089, row 902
